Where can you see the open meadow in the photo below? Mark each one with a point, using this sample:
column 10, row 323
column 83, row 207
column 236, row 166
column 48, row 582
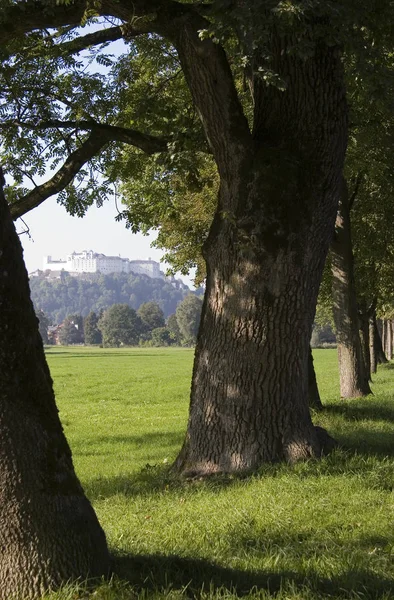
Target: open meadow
column 320, row 529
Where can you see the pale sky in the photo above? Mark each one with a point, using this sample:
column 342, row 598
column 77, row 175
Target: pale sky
column 55, row 233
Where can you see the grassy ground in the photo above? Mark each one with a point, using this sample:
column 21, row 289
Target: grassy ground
column 321, row 529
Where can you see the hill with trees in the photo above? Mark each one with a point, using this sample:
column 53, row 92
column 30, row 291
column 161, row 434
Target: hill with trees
column 58, row 298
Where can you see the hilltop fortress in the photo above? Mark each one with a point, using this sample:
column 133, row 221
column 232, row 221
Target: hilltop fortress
column 93, row 262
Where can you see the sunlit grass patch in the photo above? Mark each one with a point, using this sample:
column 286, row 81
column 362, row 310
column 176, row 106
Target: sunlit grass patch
column 319, row 529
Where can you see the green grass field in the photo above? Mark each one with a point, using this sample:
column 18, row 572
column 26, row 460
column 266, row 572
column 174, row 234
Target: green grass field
column 321, row 529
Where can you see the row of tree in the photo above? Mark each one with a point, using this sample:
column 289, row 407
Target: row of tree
column 121, row 325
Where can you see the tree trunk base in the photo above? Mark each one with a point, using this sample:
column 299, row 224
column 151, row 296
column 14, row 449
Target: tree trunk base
column 294, row 452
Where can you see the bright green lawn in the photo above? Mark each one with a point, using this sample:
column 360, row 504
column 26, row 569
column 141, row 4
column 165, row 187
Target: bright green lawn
column 322, row 529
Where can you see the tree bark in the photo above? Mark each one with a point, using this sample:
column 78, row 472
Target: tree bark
column 365, row 339
column 49, row 533
column 372, row 345
column 352, row 372
column 383, row 324
column 313, row 390
column 380, row 355
column 265, row 255
column 388, row 350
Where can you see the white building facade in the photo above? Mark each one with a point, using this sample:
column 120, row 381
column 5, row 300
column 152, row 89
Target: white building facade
column 92, row 262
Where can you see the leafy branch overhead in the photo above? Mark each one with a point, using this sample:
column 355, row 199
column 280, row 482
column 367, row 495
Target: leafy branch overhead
column 58, row 112
column 95, row 113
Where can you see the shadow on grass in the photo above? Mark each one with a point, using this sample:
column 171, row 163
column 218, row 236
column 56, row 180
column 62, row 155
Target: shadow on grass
column 154, row 479
column 114, row 354
column 387, row 366
column 372, row 443
column 156, row 442
column 148, row 440
column 151, row 479
column 148, row 480
column 197, row 577
column 356, row 435
column 361, row 411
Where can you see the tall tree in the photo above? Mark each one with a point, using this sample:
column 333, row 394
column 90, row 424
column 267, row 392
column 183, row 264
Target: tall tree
column 188, row 314
column 120, row 324
column 49, row 533
column 72, row 330
column 279, row 164
column 151, row 315
column 353, row 374
column 361, row 249
column 91, row 330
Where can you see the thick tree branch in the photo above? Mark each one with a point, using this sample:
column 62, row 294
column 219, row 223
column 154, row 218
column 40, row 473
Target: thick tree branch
column 25, row 17
column 91, row 39
column 149, row 144
column 204, row 63
column 145, row 142
column 102, row 36
column 99, row 137
column 78, row 44
column 95, row 142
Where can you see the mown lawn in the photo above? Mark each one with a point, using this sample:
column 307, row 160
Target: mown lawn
column 321, row 529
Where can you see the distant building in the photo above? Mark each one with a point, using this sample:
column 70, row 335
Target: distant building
column 92, row 262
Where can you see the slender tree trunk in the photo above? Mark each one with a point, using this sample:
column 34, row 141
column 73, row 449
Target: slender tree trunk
column 387, row 338
column 265, row 255
column 380, row 355
column 384, row 335
column 352, row 372
column 49, row 533
column 365, row 339
column 372, row 345
column 313, row 390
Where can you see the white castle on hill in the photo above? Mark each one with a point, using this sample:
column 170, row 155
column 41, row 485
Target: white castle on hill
column 92, row 262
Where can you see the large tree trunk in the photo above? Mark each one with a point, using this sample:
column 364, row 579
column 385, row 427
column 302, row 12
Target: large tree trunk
column 265, row 255
column 49, row 533
column 353, row 375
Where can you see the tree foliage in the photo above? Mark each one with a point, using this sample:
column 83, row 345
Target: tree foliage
column 132, row 118
column 72, row 330
column 173, row 328
column 95, row 292
column 151, row 315
column 161, row 336
column 91, row 331
column 188, row 315
column 120, row 325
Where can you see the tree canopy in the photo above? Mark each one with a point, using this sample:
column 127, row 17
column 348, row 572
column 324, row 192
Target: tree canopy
column 151, row 315
column 120, row 325
column 69, row 103
column 188, row 315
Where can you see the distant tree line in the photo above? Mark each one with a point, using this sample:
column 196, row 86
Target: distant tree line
column 122, row 325
column 96, row 292
column 323, row 336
